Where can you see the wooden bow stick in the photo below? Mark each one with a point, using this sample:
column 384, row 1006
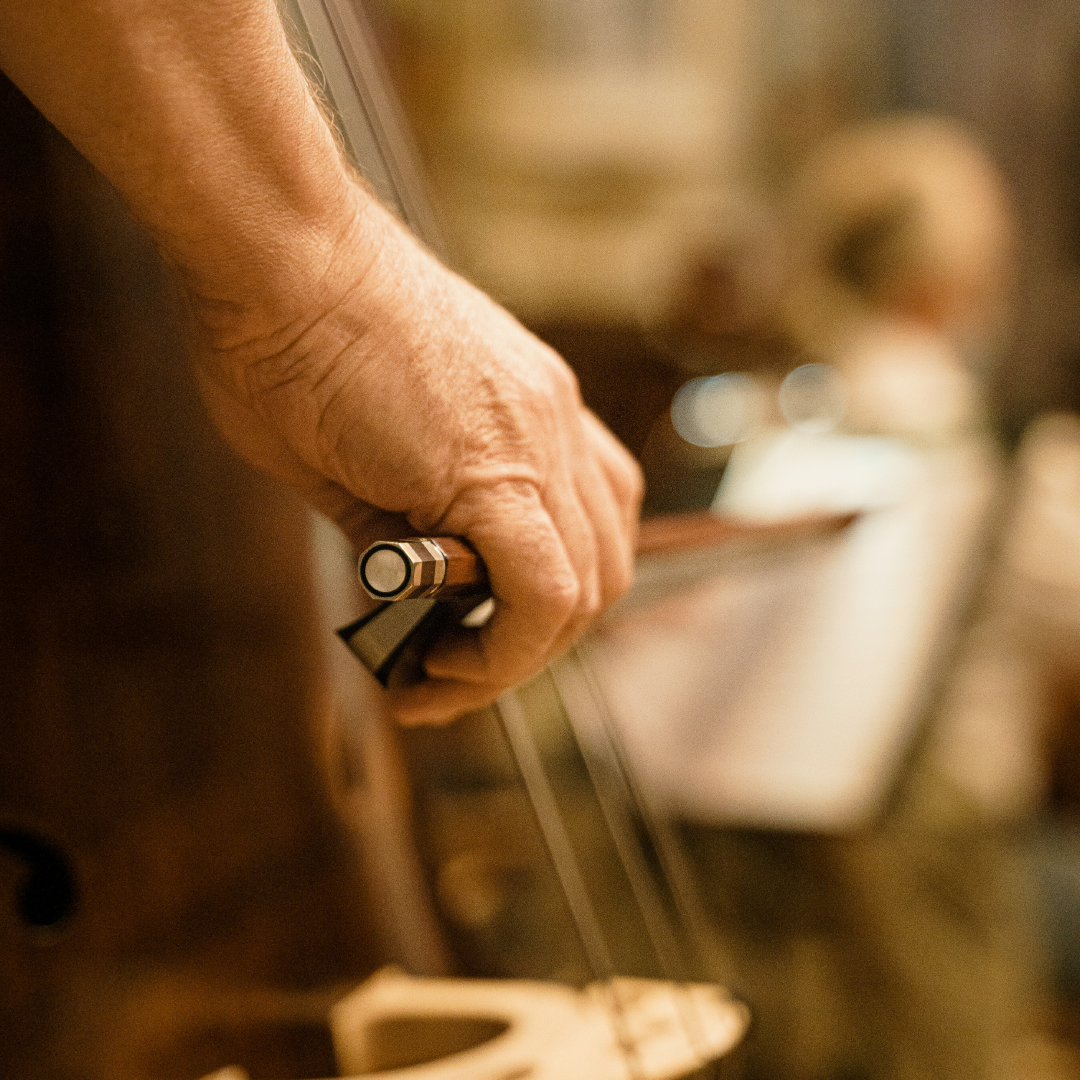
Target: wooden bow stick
column 428, row 583
column 615, row 1029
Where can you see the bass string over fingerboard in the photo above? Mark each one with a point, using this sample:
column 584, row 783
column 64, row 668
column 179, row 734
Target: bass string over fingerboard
column 353, row 81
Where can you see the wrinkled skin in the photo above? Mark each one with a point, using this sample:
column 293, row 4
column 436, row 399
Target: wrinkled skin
column 336, row 352
column 416, row 405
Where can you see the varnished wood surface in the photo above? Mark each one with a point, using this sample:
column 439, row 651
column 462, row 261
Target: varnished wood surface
column 160, row 681
column 683, row 532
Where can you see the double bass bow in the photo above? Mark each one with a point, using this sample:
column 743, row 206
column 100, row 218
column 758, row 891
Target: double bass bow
column 640, row 997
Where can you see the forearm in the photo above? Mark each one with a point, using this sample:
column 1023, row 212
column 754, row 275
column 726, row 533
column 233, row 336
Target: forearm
column 199, row 115
column 340, row 355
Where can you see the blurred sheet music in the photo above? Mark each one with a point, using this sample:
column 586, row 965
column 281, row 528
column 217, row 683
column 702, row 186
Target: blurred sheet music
column 782, row 690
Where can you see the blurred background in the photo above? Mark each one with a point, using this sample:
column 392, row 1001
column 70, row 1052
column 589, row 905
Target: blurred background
column 806, row 257
column 785, row 244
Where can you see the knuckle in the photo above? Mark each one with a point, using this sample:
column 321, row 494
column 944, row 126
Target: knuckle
column 561, row 594
column 592, row 602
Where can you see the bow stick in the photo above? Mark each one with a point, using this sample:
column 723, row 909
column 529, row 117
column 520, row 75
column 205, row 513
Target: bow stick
column 426, row 585
column 391, row 641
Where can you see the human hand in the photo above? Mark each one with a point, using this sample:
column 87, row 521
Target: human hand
column 339, row 355
column 404, row 401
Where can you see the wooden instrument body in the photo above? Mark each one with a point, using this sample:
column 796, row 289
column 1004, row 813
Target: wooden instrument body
column 166, row 731
column 169, row 734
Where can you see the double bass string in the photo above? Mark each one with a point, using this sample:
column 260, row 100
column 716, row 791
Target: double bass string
column 350, row 78
column 698, row 938
column 350, row 74
column 680, row 944
column 608, row 781
column 564, row 858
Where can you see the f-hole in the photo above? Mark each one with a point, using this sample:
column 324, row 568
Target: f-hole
column 46, row 896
